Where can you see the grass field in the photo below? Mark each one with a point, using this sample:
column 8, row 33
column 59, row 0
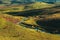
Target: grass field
column 11, row 30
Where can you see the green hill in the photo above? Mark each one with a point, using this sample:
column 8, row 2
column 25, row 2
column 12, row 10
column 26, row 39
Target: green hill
column 11, row 31
column 16, row 8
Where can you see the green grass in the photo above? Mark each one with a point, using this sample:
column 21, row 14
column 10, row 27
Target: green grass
column 37, row 5
column 12, row 31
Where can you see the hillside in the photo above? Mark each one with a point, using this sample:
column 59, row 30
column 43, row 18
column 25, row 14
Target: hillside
column 14, row 26
column 11, row 31
column 17, row 8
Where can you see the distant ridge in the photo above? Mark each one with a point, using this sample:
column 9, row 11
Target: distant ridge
column 8, row 2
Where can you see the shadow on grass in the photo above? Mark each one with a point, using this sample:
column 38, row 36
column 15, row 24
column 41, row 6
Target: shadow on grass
column 47, row 11
column 50, row 26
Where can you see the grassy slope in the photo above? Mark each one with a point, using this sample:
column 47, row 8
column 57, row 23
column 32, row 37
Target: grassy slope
column 14, row 8
column 11, row 31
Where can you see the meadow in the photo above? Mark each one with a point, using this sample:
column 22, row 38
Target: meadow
column 10, row 29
